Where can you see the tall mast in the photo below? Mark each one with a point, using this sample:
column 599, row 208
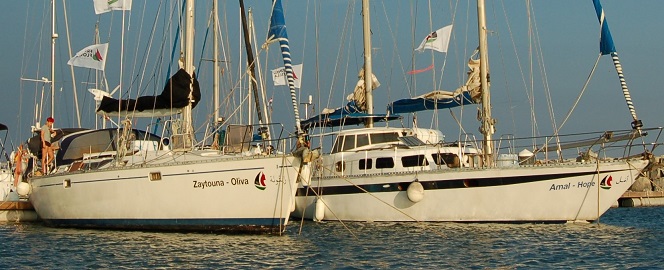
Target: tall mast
column 250, row 60
column 54, row 36
column 71, row 68
column 189, row 67
column 368, row 72
column 487, row 128
column 215, row 69
column 266, row 113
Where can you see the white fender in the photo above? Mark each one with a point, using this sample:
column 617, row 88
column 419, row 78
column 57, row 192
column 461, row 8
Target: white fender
column 320, row 210
column 305, row 174
column 415, row 192
column 24, row 189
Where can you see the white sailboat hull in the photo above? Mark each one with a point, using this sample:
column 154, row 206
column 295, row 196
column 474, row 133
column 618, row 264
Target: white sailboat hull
column 538, row 193
column 190, row 192
column 17, row 211
column 12, row 207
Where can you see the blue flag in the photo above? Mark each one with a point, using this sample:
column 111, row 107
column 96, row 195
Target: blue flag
column 277, row 23
column 278, row 32
column 606, row 41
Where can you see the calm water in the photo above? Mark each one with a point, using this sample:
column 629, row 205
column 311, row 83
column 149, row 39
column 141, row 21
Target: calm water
column 626, row 238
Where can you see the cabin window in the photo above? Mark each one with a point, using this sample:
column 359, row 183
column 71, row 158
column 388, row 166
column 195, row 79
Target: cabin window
column 384, row 163
column 66, row 183
column 96, row 164
column 384, row 138
column 337, row 144
column 365, row 164
column 449, row 159
column 349, row 142
column 362, row 140
column 414, row 161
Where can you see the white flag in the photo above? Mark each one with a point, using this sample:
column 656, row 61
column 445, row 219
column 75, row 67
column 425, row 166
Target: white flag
column 438, row 40
column 279, row 75
column 93, row 56
column 103, row 6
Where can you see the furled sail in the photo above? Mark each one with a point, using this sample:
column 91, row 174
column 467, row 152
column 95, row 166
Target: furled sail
column 174, row 97
column 359, row 94
column 468, row 93
column 353, row 113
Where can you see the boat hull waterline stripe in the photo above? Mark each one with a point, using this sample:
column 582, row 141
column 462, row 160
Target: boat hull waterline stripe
column 170, row 224
column 145, row 176
column 444, row 184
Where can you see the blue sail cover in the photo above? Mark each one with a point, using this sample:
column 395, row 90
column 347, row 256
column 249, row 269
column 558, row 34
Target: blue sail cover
column 423, row 103
column 606, row 45
column 346, row 115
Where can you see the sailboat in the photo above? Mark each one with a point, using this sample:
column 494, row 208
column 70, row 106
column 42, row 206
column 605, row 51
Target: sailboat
column 411, row 174
column 13, row 208
column 127, row 178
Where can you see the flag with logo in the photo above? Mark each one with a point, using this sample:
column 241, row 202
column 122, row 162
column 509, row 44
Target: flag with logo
column 103, row 6
column 93, row 56
column 437, row 41
column 279, row 75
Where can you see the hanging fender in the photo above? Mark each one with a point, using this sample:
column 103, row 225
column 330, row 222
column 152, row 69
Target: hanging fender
column 415, row 191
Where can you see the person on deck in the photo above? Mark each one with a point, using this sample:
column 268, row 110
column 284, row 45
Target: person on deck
column 20, row 164
column 47, row 149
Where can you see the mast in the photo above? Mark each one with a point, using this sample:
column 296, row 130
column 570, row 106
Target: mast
column 189, row 67
column 71, row 68
column 265, row 132
column 54, row 36
column 215, row 68
column 368, row 72
column 487, row 128
column 251, row 61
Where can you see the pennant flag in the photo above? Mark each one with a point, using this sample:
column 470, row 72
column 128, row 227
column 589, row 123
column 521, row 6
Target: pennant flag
column 606, row 45
column 279, row 76
column 93, row 56
column 437, row 41
column 416, row 71
column 278, row 32
column 103, row 6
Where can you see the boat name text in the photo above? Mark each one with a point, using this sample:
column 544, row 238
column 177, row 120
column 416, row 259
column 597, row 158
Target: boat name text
column 569, row 185
column 204, row 184
column 239, row 181
column 208, row 184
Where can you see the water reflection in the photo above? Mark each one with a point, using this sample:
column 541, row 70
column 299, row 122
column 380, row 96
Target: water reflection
column 625, row 237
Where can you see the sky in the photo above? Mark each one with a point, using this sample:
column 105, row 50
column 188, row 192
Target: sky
column 326, row 37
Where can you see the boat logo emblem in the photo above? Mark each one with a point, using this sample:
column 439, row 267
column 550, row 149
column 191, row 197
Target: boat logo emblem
column 606, row 182
column 259, row 182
